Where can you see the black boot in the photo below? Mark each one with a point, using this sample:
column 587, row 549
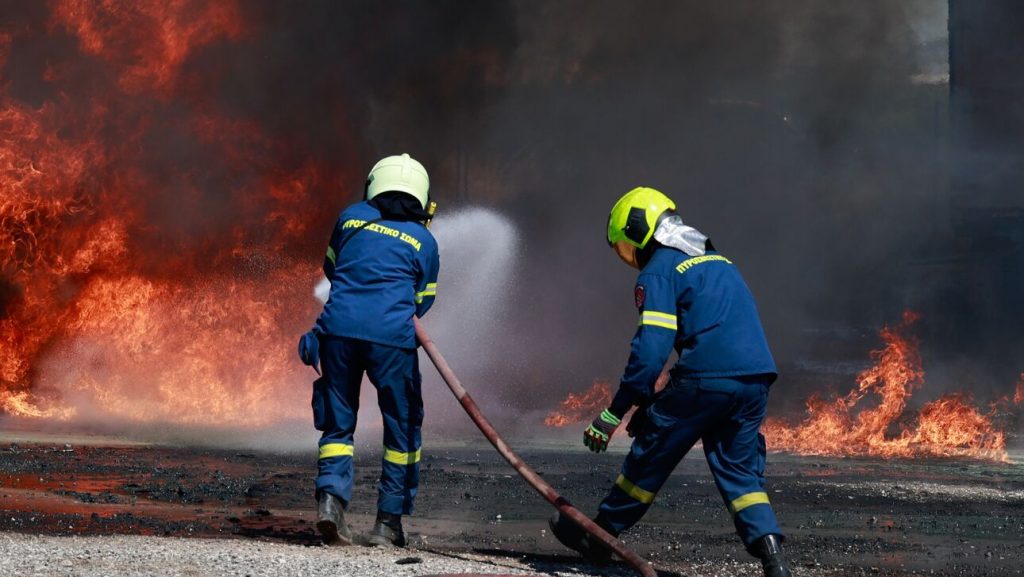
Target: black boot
column 387, row 531
column 330, row 520
column 574, row 537
column 769, row 550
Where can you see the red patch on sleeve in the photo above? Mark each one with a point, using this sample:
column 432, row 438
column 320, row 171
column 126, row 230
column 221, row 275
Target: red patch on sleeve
column 638, row 296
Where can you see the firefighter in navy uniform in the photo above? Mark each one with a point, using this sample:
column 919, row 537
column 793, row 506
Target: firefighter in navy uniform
column 694, row 300
column 382, row 264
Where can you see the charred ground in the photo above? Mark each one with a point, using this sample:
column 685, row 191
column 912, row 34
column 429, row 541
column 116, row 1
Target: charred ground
column 844, row 516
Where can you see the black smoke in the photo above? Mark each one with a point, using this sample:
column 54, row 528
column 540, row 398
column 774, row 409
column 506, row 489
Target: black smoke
column 799, row 135
column 813, row 142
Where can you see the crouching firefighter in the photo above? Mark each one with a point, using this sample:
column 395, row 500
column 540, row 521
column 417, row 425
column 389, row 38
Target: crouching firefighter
column 382, row 264
column 692, row 299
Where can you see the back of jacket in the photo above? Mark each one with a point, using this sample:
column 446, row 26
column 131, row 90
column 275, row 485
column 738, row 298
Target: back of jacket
column 701, row 307
column 382, row 272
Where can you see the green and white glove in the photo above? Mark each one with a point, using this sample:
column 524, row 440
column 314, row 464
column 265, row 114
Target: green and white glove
column 599, row 432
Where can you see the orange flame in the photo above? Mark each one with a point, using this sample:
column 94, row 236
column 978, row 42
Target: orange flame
column 22, row 404
column 103, row 313
column 579, row 407
column 1018, row 395
column 949, row 426
column 147, row 40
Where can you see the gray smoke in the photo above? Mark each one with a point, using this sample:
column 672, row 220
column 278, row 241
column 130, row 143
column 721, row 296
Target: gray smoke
column 812, row 141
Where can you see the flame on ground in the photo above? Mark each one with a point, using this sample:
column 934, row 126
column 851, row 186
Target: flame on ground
column 871, row 419
column 577, row 408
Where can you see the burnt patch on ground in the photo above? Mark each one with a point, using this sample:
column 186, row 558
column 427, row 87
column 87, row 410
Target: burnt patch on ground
column 851, row 516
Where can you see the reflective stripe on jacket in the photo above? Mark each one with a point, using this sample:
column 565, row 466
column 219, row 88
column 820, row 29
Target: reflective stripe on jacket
column 701, row 307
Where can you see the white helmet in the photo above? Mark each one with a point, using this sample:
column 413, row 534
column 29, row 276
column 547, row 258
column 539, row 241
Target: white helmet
column 399, row 173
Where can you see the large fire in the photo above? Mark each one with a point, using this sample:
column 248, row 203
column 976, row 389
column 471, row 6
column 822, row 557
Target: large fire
column 148, row 41
column 144, row 274
column 872, row 419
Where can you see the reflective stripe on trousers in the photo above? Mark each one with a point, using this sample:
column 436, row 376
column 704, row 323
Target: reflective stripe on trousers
column 724, row 413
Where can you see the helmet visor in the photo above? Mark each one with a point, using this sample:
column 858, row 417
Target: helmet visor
column 626, row 252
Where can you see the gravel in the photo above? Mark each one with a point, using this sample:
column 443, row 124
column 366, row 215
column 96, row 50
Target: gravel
column 111, row 556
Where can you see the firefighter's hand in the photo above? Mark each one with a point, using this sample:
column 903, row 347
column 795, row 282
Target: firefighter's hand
column 309, row 350
column 599, row 432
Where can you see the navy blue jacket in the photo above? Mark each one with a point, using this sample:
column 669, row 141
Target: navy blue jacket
column 384, row 274
column 701, row 307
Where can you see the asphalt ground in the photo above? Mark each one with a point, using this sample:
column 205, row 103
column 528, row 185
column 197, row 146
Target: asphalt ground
column 842, row 516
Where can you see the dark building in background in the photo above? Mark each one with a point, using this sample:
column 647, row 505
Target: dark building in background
column 986, row 66
column 986, row 84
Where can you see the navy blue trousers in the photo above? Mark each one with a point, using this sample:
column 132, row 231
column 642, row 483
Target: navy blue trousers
column 724, row 413
column 395, row 374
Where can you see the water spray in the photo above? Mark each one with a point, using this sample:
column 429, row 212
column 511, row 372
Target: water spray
column 525, row 471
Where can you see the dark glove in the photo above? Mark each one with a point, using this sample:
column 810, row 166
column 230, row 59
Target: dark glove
column 309, row 350
column 599, row 432
column 638, row 422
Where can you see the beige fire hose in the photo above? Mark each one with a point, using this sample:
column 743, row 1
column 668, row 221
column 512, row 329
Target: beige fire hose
column 524, row 470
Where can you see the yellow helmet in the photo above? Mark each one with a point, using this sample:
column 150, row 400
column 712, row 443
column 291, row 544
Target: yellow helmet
column 400, row 173
column 633, row 219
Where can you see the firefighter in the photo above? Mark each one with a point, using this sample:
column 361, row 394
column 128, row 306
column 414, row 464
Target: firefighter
column 693, row 299
column 382, row 263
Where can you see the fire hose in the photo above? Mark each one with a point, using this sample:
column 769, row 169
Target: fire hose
column 525, row 471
